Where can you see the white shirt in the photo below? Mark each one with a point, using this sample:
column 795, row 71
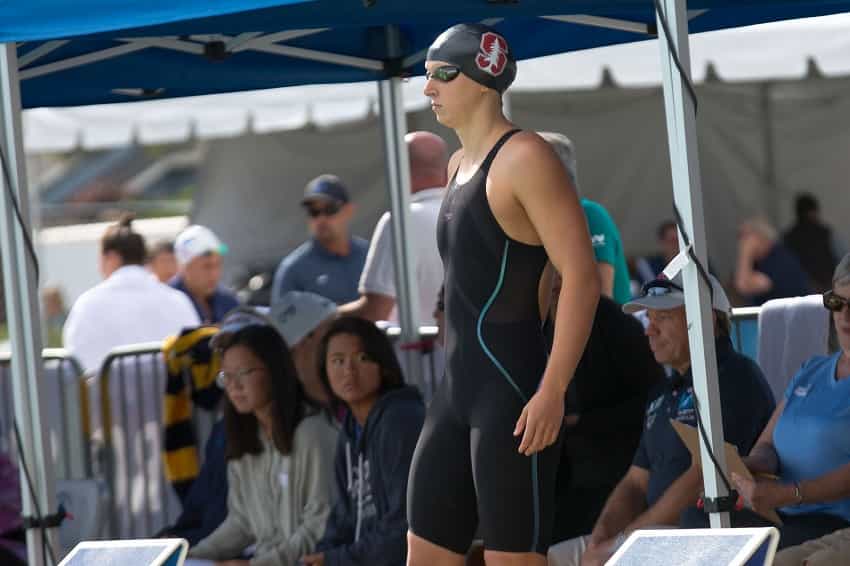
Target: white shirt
column 129, row 307
column 379, row 272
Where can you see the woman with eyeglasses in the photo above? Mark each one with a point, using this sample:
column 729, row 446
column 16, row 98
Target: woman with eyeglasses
column 806, row 444
column 488, row 454
column 279, row 452
column 383, row 417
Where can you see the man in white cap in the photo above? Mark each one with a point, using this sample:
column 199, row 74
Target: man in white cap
column 662, row 482
column 199, row 254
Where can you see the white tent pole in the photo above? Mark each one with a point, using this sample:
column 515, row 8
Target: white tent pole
column 394, row 124
column 21, row 292
column 687, row 195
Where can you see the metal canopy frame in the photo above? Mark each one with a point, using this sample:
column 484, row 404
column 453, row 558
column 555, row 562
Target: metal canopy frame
column 273, row 43
column 21, row 292
column 687, row 197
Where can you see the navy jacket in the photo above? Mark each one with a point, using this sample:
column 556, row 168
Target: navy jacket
column 368, row 524
column 205, row 506
column 222, row 301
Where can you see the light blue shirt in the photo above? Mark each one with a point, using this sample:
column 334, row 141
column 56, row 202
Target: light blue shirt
column 812, row 437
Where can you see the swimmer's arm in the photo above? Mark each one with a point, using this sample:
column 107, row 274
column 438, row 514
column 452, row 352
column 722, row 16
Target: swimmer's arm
column 548, row 198
column 539, row 183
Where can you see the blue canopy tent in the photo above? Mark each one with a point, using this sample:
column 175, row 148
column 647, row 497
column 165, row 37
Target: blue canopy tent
column 95, row 52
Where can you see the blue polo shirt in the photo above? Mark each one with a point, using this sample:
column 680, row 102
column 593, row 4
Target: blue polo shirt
column 811, row 437
column 745, row 399
column 313, row 268
column 221, row 302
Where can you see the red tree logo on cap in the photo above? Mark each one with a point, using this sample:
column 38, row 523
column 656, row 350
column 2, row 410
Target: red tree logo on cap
column 492, row 54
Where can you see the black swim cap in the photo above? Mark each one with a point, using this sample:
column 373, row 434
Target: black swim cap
column 481, row 54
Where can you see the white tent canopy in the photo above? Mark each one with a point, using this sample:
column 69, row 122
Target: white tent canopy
column 772, row 51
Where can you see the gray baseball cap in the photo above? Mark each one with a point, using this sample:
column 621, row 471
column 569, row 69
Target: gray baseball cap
column 665, row 294
column 298, row 313
column 294, row 316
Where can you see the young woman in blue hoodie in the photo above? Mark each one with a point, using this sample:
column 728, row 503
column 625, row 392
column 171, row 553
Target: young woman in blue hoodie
column 383, row 417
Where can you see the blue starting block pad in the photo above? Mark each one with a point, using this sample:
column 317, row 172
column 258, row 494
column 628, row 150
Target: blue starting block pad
column 698, row 547
column 149, row 552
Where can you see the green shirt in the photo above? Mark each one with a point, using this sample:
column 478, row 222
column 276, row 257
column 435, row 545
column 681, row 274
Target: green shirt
column 608, row 247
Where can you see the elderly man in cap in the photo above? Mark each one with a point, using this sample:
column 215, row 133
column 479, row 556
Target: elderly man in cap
column 199, row 254
column 662, row 481
column 330, row 262
column 302, row 319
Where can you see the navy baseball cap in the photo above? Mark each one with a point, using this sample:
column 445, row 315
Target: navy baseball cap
column 327, row 187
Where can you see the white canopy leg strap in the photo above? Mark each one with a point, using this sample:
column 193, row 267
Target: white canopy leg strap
column 394, row 124
column 678, row 263
column 687, row 196
column 21, row 292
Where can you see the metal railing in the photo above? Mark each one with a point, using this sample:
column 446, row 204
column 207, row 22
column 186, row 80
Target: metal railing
column 744, row 322
column 745, row 331
column 67, row 413
column 130, row 386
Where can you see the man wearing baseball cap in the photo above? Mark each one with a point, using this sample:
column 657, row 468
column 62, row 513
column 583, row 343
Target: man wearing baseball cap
column 199, row 254
column 662, row 482
column 301, row 319
column 330, row 262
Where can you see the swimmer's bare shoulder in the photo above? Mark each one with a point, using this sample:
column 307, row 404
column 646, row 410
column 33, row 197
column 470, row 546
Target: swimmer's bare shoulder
column 531, row 194
column 527, row 160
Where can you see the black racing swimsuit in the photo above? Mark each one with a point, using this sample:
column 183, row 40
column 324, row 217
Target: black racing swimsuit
column 466, row 471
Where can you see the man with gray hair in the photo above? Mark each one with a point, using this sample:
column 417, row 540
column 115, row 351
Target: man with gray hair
column 604, row 235
column 302, row 318
column 765, row 268
column 662, row 481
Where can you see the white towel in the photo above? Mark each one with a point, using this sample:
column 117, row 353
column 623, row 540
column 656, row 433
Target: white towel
column 791, row 331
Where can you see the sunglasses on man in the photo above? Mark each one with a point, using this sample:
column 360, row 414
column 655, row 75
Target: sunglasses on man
column 314, row 211
column 443, row 74
column 833, row 302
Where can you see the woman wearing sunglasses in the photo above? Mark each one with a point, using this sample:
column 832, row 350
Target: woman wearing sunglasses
column 807, row 445
column 488, row 456
column 279, row 452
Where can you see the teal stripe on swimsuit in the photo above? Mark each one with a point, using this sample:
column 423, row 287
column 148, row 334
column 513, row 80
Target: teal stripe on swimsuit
column 534, row 484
